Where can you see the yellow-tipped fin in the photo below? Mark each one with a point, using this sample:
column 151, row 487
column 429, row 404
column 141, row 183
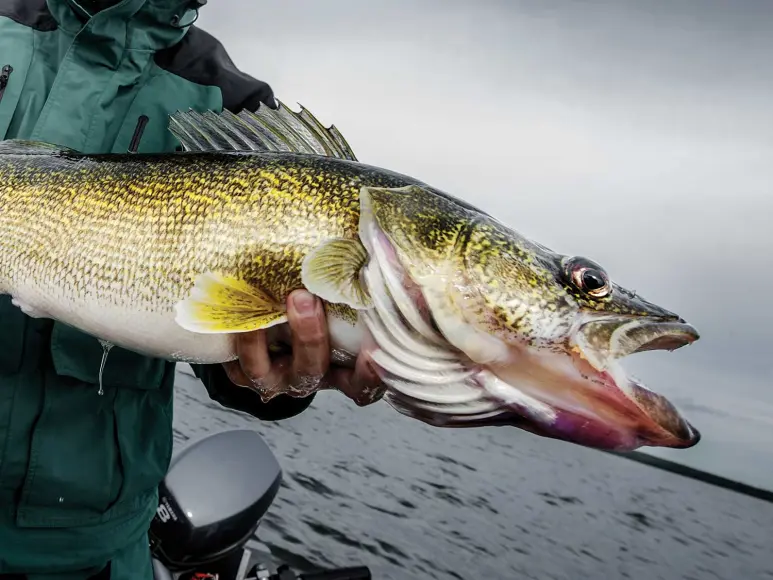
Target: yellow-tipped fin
column 224, row 304
column 332, row 272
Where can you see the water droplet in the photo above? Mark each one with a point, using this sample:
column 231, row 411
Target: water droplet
column 106, row 346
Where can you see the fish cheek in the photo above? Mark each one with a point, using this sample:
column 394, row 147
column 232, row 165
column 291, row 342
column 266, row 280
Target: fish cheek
column 519, row 301
column 592, row 343
column 456, row 311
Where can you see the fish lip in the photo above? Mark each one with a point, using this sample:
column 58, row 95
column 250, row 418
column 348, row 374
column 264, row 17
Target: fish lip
column 641, row 335
column 604, row 339
column 663, row 424
column 692, row 441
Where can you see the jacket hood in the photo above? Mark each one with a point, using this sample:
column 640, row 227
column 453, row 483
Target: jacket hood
column 134, row 24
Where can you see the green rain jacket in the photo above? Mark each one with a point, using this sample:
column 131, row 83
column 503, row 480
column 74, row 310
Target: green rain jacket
column 78, row 471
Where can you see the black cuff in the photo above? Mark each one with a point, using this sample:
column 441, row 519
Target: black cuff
column 222, row 390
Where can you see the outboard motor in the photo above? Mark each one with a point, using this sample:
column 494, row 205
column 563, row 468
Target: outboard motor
column 212, row 500
column 210, row 505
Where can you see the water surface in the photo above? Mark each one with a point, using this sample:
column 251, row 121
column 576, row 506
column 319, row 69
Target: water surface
column 369, row 486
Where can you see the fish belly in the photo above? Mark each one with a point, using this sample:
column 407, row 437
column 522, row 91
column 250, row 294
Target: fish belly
column 150, row 332
column 156, row 333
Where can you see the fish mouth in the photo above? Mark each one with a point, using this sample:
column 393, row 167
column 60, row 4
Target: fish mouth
column 624, row 410
column 581, row 394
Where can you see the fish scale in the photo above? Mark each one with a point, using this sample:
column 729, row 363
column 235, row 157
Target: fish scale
column 243, row 210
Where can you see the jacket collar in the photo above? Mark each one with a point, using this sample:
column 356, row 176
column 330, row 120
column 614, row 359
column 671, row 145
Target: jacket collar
column 134, row 24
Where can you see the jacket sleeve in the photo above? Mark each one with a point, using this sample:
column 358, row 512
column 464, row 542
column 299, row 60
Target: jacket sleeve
column 202, row 59
column 205, row 59
column 222, row 390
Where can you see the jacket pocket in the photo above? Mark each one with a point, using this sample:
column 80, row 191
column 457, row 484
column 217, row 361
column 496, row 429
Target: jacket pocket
column 13, row 322
column 75, row 474
column 79, row 356
column 94, row 457
column 145, row 128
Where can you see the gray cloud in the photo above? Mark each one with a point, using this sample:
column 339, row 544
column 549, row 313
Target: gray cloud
column 637, row 133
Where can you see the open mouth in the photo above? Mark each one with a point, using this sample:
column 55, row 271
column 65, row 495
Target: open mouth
column 621, row 412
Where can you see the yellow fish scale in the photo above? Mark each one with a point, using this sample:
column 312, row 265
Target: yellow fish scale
column 136, row 231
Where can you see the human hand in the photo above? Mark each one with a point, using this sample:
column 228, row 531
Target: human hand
column 308, row 368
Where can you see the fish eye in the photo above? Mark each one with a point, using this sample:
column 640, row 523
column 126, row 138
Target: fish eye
column 588, row 277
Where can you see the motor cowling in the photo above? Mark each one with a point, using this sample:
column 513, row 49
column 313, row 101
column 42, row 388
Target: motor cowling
column 212, row 499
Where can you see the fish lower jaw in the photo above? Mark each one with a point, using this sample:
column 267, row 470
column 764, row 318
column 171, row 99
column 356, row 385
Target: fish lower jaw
column 559, row 396
column 630, row 414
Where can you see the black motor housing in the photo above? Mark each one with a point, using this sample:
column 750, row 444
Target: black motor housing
column 212, row 499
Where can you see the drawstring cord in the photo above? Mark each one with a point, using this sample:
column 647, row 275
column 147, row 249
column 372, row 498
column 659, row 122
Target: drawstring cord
column 194, row 5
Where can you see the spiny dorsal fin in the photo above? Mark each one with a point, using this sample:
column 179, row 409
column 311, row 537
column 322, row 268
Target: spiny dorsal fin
column 25, row 147
column 266, row 129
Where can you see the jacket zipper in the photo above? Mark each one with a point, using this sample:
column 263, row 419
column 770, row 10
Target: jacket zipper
column 5, row 74
column 138, row 130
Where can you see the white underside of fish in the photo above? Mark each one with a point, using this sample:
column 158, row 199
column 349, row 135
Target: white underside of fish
column 157, row 333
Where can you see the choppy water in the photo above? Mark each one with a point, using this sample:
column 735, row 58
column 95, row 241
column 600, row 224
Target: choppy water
column 368, row 486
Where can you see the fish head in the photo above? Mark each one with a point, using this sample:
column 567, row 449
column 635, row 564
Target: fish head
column 477, row 325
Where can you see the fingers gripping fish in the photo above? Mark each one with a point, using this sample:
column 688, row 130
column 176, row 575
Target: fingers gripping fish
column 468, row 322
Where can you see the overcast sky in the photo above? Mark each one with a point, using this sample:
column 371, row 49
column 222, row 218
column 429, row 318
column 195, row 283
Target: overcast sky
column 639, row 134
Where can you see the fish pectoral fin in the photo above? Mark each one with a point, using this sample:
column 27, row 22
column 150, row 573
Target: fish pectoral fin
column 221, row 303
column 332, row 272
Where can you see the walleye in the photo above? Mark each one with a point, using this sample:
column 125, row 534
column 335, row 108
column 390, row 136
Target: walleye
column 468, row 322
